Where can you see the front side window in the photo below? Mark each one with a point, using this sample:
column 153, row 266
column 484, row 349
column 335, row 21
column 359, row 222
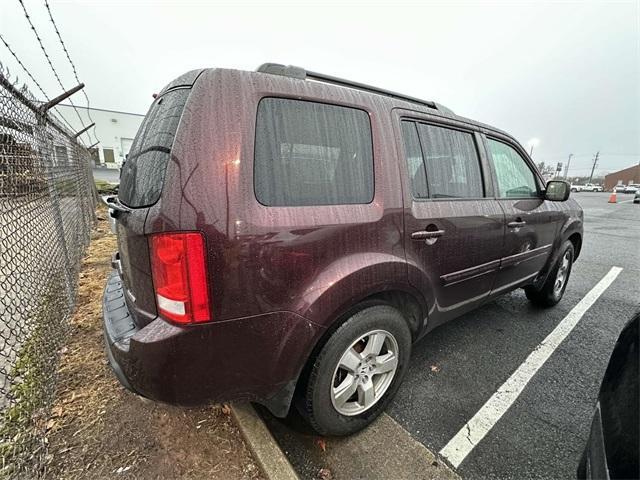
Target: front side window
column 452, row 163
column 515, row 178
column 311, row 153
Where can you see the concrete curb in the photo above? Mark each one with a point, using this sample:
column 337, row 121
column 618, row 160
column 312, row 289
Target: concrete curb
column 267, row 453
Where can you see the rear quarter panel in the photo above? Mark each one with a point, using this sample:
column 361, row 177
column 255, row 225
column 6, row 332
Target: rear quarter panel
column 311, row 261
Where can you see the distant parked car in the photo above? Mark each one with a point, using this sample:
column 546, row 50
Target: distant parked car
column 576, row 188
column 636, row 198
column 592, row 187
column 631, row 188
column 612, row 447
column 619, row 188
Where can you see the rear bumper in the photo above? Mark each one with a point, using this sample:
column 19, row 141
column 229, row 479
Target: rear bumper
column 256, row 358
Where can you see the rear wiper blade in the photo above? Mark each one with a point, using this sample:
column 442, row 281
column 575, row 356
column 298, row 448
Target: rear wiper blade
column 112, row 201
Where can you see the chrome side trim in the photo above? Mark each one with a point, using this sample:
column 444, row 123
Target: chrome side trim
column 524, row 256
column 468, row 273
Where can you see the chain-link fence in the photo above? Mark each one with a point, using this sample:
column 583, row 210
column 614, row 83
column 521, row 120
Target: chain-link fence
column 47, row 202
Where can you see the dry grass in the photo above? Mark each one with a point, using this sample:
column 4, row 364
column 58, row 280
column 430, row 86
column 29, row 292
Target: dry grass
column 100, row 430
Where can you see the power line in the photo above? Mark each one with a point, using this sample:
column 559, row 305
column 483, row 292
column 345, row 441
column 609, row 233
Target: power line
column 26, row 70
column 609, row 154
column 73, row 67
column 44, row 50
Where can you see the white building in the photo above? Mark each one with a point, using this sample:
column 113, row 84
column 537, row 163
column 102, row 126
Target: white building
column 114, row 129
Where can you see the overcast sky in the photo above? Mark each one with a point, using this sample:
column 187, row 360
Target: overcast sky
column 565, row 73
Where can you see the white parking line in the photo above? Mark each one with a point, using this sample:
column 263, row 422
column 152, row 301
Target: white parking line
column 482, row 422
column 626, row 201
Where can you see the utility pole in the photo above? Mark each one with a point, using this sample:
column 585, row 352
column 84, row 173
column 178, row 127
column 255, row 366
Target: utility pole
column 595, row 162
column 566, row 169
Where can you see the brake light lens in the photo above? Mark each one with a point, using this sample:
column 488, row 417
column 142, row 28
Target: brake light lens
column 178, row 266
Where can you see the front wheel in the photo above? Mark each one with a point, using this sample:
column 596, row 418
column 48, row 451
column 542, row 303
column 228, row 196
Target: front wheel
column 553, row 288
column 357, row 372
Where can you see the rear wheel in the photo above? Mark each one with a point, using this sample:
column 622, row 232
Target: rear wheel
column 553, row 288
column 357, row 372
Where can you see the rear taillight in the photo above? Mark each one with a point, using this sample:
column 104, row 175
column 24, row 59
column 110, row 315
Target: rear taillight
column 180, row 276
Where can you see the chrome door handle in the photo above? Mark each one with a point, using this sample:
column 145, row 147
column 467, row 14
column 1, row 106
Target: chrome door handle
column 516, row 224
column 425, row 234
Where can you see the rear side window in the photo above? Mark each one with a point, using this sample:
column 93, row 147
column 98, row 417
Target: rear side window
column 515, row 178
column 311, row 153
column 144, row 169
column 451, row 159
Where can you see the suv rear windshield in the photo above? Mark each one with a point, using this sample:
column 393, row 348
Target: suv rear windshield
column 143, row 171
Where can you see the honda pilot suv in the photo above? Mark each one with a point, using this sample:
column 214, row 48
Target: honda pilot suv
column 285, row 236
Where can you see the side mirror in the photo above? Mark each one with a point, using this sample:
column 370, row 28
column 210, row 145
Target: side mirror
column 557, row 190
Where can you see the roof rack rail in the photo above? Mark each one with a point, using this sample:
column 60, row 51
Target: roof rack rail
column 302, row 74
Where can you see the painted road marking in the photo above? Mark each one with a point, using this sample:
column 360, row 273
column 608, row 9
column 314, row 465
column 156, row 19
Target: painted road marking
column 626, row 201
column 482, row 422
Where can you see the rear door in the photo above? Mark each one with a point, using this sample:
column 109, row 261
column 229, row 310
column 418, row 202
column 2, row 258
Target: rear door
column 453, row 229
column 531, row 222
column 141, row 184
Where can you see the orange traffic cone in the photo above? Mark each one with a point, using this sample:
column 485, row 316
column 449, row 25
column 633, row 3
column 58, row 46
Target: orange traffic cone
column 612, row 198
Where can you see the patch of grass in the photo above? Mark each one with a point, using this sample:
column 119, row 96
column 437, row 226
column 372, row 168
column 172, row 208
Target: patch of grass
column 32, row 380
column 106, row 188
column 99, row 430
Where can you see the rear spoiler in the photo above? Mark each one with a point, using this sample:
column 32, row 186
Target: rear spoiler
column 184, row 80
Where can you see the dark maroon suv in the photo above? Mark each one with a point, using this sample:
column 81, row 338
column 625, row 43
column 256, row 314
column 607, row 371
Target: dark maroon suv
column 285, row 236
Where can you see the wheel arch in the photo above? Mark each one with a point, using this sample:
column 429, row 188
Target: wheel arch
column 576, row 239
column 407, row 302
column 571, row 231
column 348, row 286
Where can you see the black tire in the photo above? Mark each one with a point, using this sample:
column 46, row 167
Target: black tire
column 315, row 402
column 548, row 295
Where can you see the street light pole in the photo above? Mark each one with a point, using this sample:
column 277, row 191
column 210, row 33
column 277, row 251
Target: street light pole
column 595, row 162
column 566, row 169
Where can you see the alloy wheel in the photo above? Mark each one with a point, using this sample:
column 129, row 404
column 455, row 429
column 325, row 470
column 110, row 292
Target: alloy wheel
column 364, row 372
column 563, row 272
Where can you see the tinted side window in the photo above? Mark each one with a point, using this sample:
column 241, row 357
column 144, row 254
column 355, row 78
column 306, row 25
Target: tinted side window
column 453, row 166
column 143, row 173
column 310, row 153
column 415, row 162
column 515, row 178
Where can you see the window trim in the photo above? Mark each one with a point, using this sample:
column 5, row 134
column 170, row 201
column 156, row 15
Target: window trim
column 406, row 158
column 328, row 103
column 525, row 158
column 481, row 163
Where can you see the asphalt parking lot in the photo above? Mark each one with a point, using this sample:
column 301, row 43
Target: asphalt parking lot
column 461, row 365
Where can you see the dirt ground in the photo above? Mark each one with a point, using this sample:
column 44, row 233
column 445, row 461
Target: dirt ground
column 100, row 430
